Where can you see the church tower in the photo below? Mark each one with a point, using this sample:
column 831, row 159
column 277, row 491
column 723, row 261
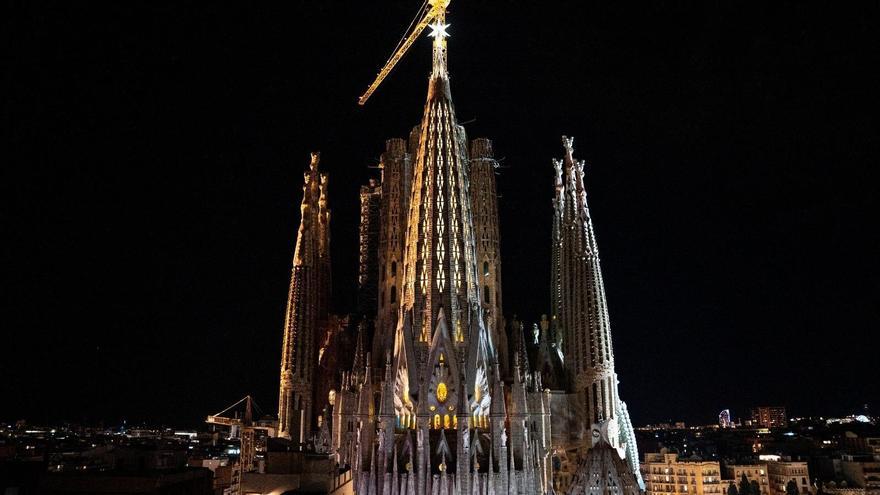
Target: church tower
column 436, row 419
column 440, row 325
column 580, row 310
column 580, row 318
column 396, row 166
column 484, row 199
column 307, row 308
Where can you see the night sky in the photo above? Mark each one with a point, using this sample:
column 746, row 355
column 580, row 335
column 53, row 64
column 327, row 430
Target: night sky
column 154, row 166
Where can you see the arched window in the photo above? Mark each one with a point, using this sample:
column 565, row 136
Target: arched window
column 436, row 421
column 393, row 294
column 393, row 268
column 441, row 392
column 486, row 294
column 485, row 268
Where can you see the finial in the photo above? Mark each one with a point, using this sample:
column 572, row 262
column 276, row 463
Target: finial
column 568, row 143
column 316, row 157
column 557, row 166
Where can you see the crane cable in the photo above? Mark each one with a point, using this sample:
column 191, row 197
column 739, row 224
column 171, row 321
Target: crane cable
column 230, row 407
column 419, row 15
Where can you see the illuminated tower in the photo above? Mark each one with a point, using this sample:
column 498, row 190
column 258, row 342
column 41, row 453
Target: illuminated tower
column 440, row 323
column 435, row 420
column 307, row 308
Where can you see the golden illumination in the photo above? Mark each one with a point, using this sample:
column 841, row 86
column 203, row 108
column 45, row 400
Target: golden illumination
column 441, row 392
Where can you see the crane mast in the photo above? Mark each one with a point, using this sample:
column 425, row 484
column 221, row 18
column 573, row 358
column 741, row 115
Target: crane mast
column 437, row 13
column 246, row 428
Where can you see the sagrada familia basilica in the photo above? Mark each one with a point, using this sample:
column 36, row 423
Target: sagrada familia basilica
column 429, row 389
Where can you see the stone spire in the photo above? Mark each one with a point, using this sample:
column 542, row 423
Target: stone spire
column 579, row 306
column 443, row 381
column 440, row 285
column 484, row 200
column 396, row 166
column 307, row 308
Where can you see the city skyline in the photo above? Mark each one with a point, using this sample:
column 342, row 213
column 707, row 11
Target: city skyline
column 166, row 280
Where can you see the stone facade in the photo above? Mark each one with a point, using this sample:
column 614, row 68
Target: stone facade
column 753, row 472
column 666, row 474
column 781, row 472
column 442, row 396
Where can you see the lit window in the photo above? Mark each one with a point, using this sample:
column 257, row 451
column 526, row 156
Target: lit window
column 441, row 392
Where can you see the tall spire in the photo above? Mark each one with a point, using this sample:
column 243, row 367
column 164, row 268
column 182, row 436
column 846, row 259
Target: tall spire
column 484, row 197
column 581, row 312
column 307, row 306
column 440, row 268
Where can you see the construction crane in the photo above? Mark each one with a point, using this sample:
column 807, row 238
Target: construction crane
column 246, row 429
column 431, row 11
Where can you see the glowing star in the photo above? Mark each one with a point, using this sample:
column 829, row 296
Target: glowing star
column 438, row 30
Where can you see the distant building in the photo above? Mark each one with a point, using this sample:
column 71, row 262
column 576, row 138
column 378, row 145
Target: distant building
column 782, row 472
column 861, row 445
column 724, row 419
column 753, row 472
column 769, row 416
column 665, row 474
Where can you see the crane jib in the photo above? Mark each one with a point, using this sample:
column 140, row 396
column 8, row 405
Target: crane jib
column 437, row 9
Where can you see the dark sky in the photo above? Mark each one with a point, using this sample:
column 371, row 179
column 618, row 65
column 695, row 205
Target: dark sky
column 156, row 163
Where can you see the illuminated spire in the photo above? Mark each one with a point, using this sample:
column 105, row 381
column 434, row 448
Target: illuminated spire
column 438, row 32
column 307, row 303
column 441, row 290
